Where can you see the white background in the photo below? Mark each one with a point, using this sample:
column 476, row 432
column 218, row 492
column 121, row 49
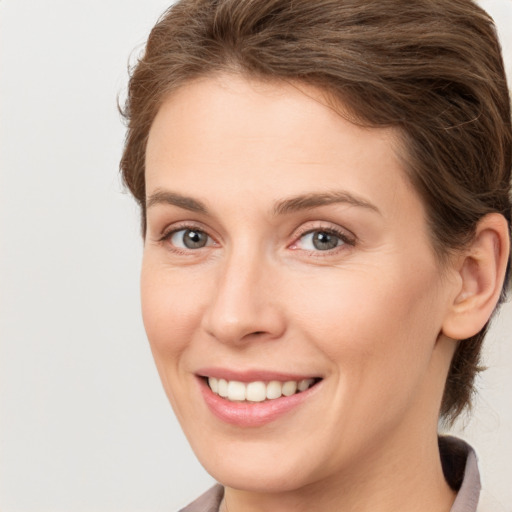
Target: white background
column 84, row 424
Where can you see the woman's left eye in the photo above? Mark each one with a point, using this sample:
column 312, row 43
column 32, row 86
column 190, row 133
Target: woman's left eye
column 320, row 240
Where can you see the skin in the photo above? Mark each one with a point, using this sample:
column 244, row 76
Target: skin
column 366, row 316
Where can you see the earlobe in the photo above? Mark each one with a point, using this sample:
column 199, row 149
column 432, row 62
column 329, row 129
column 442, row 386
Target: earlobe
column 481, row 272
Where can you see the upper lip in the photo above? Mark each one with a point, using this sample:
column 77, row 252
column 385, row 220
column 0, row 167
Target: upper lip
column 253, row 375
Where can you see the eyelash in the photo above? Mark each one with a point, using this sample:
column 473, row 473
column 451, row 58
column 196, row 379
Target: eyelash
column 169, row 233
column 343, row 236
column 346, row 240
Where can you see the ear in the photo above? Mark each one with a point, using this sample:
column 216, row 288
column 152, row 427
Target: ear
column 480, row 274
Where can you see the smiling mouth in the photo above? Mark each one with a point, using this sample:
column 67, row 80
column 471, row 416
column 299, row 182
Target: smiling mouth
column 258, row 391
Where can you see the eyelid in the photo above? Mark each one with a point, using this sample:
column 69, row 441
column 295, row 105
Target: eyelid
column 178, row 226
column 343, row 233
column 170, row 230
column 347, row 237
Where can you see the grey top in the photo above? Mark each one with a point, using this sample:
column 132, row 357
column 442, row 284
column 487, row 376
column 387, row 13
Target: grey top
column 459, row 465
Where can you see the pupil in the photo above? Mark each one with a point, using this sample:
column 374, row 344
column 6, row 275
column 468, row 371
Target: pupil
column 324, row 241
column 194, row 239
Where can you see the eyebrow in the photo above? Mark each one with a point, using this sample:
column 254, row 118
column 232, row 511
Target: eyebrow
column 283, row 207
column 315, row 200
column 174, row 199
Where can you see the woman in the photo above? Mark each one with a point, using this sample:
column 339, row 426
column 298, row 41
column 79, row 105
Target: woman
column 324, row 189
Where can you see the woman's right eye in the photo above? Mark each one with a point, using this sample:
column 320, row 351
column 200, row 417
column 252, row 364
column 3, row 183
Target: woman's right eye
column 189, row 238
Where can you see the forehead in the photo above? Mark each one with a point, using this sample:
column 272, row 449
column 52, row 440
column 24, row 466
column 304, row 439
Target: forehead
column 262, row 137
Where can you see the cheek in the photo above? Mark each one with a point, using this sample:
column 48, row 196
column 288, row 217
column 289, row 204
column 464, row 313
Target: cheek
column 171, row 313
column 171, row 308
column 374, row 324
column 378, row 335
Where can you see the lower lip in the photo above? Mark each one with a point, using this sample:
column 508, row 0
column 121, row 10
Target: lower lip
column 252, row 414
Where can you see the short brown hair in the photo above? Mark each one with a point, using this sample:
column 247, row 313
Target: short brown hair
column 430, row 68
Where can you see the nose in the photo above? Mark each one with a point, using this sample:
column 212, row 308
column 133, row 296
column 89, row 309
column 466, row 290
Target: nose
column 244, row 303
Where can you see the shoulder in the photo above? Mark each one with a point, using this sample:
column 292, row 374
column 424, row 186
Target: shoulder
column 207, row 502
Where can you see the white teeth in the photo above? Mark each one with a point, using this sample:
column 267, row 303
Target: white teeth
column 236, row 390
column 214, row 384
column 289, row 388
column 257, row 391
column 223, row 388
column 274, row 389
column 305, row 384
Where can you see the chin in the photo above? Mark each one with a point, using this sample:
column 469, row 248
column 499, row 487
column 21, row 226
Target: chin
column 245, row 476
column 256, row 467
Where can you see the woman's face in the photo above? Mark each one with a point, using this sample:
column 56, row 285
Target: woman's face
column 285, row 245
